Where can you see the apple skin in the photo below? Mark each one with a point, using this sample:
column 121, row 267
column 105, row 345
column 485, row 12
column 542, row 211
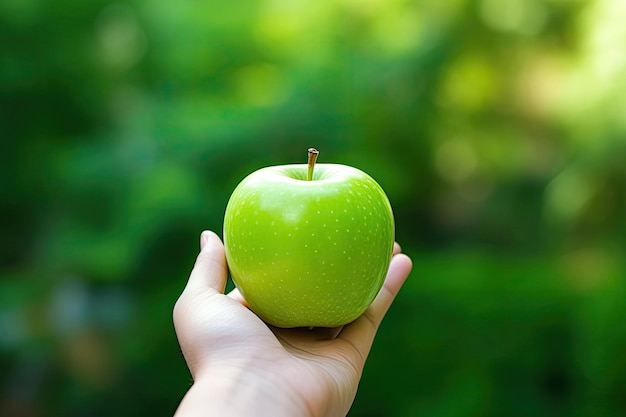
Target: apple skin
column 308, row 253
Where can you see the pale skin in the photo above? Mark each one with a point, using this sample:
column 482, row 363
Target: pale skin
column 243, row 367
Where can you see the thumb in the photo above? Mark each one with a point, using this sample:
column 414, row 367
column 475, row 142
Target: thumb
column 210, row 271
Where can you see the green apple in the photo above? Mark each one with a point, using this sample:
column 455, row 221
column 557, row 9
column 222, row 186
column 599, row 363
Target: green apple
column 308, row 245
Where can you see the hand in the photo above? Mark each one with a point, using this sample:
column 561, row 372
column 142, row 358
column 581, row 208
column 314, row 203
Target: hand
column 243, row 367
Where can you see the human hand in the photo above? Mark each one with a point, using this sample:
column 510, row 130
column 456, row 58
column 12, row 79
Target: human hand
column 243, row 367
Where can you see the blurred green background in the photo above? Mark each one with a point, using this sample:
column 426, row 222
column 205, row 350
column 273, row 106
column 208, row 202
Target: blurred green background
column 497, row 128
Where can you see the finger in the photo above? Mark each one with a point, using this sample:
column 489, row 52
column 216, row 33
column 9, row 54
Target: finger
column 361, row 332
column 210, row 270
column 396, row 248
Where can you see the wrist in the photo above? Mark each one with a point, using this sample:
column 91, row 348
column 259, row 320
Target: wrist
column 236, row 391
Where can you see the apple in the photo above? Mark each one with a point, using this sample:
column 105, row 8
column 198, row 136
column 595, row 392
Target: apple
column 308, row 245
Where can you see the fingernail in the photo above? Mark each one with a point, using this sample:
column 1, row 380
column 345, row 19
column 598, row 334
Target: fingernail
column 204, row 236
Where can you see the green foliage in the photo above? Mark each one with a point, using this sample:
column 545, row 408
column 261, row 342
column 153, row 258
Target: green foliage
column 496, row 128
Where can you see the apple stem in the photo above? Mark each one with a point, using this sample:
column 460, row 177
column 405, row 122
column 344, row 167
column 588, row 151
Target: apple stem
column 313, row 153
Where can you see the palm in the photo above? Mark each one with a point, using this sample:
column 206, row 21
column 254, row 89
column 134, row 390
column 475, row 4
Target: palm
column 298, row 356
